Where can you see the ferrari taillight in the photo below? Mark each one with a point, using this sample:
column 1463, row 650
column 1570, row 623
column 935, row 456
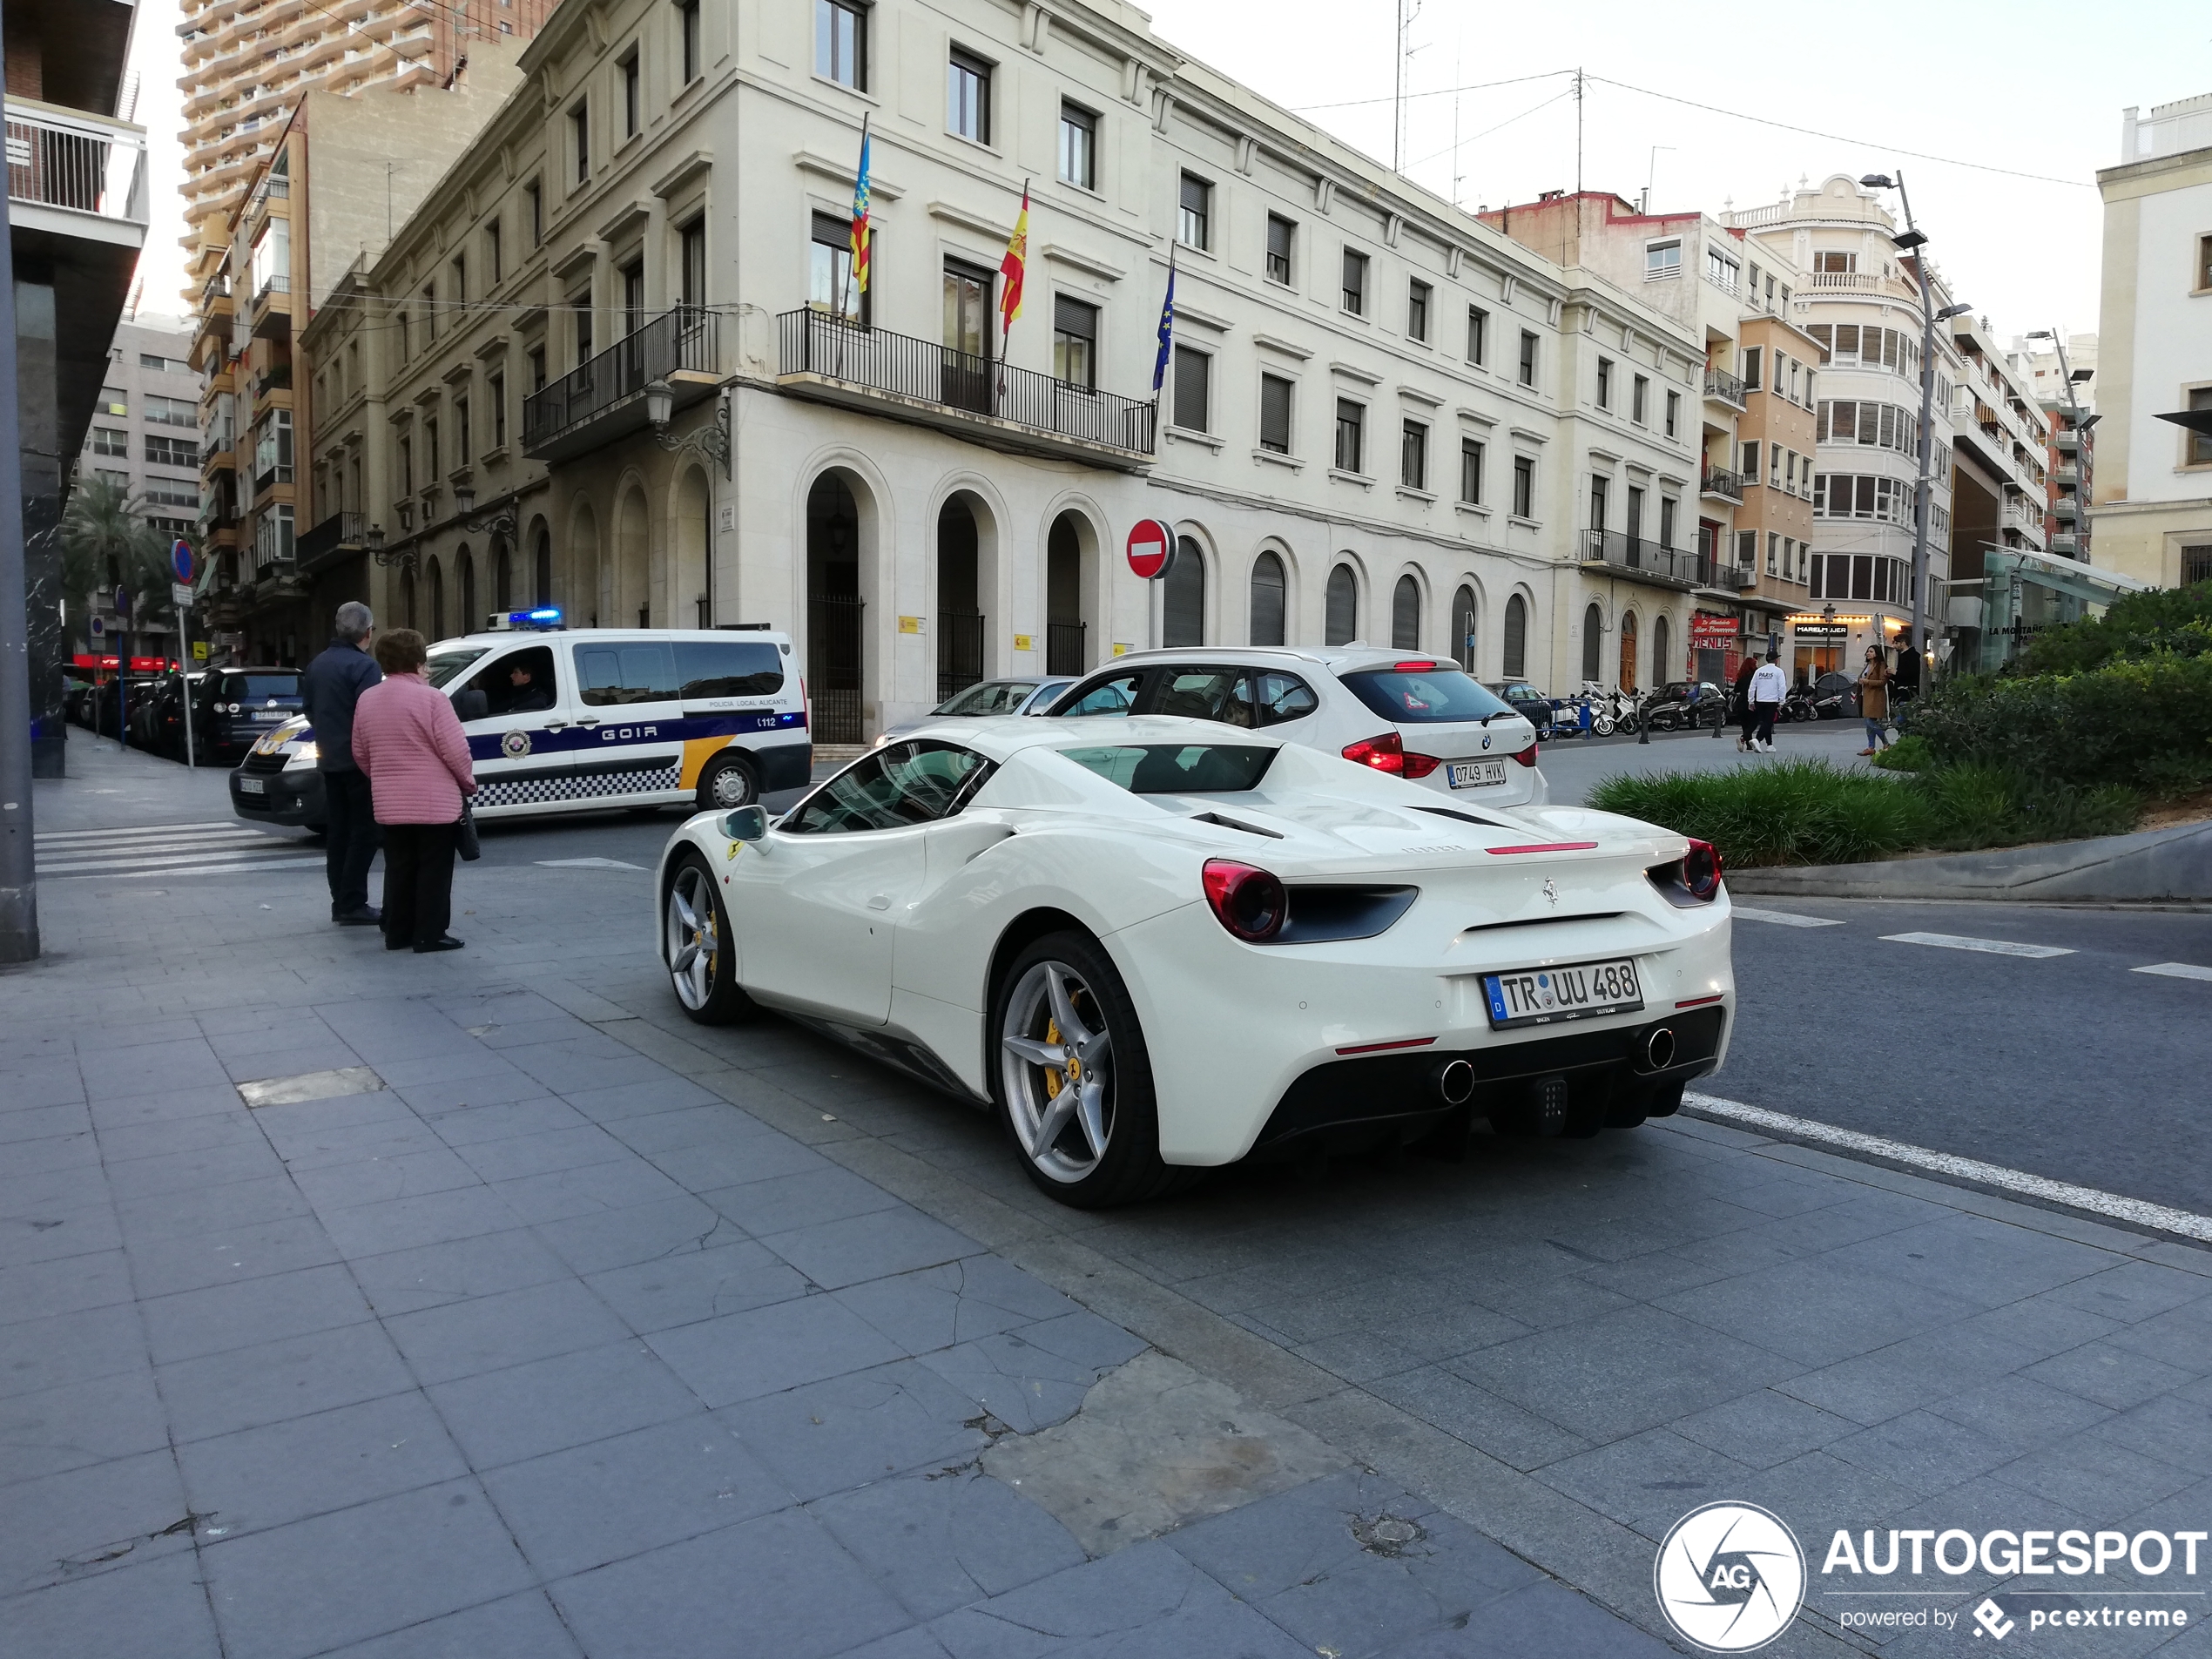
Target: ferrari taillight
column 1701, row 870
column 1385, row 753
column 1246, row 900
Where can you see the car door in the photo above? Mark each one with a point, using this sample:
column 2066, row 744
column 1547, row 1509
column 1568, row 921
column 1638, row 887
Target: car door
column 518, row 717
column 629, row 746
column 816, row 903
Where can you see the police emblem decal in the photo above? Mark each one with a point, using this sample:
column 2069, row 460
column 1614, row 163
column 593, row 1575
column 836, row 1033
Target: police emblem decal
column 515, row 745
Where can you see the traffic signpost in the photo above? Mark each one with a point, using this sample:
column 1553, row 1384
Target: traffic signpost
column 180, row 594
column 123, row 674
column 1150, row 548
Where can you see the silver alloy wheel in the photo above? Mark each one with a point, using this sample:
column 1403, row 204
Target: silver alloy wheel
column 691, row 936
column 1057, row 1063
column 730, row 786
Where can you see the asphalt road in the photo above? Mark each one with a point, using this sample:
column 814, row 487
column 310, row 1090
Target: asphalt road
column 2073, row 1067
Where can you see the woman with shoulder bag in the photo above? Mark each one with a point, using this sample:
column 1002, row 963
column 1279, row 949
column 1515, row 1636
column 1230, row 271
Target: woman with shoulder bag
column 1874, row 700
column 408, row 741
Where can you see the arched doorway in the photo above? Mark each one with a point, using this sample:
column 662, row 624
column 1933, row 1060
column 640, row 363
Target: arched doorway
column 833, row 659
column 1067, row 647
column 631, row 593
column 1183, row 596
column 465, row 566
column 1663, row 666
column 1270, row 594
column 1405, row 615
column 406, row 598
column 437, row 600
column 1592, row 644
column 692, row 590
column 542, row 567
column 584, row 577
column 1514, row 664
column 503, row 575
column 1628, row 650
column 960, row 604
column 1463, row 624
column 1340, row 623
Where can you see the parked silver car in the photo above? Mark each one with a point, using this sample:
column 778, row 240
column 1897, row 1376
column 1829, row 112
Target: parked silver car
column 1023, row 696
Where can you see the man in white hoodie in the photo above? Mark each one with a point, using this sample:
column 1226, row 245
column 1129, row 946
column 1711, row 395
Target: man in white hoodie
column 1769, row 686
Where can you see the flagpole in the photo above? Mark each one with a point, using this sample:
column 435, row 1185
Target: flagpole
column 852, row 261
column 846, row 307
column 1014, row 271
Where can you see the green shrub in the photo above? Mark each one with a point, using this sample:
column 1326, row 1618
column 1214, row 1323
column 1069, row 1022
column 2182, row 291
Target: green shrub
column 2173, row 620
column 1908, row 753
column 2141, row 723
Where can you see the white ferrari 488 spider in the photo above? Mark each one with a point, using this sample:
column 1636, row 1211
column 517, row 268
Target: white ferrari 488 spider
column 1167, row 944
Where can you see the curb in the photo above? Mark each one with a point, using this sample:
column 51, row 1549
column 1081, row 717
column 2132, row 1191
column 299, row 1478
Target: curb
column 2169, row 865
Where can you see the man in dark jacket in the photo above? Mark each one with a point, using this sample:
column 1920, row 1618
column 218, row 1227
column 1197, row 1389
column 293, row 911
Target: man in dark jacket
column 331, row 686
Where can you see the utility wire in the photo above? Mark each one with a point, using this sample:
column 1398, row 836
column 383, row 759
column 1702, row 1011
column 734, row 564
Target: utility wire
column 1441, row 92
column 1555, row 98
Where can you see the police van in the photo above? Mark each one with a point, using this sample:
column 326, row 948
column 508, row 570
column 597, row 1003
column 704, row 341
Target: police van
column 560, row 721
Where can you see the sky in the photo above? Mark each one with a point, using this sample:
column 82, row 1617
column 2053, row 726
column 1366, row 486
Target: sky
column 2035, row 86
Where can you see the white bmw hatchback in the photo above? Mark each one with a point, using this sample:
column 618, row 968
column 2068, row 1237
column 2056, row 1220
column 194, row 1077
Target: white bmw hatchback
column 1413, row 717
column 1152, row 945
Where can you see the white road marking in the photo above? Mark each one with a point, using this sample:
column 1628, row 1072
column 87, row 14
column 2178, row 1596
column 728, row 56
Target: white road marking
column 2176, row 970
column 585, row 864
column 138, row 829
column 179, row 849
column 2134, row 1210
column 1784, row 918
column 1994, row 947
column 256, row 864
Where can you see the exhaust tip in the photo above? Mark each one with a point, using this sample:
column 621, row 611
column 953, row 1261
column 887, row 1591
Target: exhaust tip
column 1454, row 1082
column 1659, row 1049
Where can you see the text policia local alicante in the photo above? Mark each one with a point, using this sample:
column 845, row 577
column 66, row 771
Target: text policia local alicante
column 1958, row 1552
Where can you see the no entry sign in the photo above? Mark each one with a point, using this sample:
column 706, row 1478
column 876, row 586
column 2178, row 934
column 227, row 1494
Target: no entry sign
column 1151, row 548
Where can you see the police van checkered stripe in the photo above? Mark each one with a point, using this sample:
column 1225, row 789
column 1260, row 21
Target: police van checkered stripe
column 491, row 791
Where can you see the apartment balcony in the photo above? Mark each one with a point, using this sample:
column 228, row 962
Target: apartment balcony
column 1721, row 486
column 1641, row 559
column 2065, row 508
column 605, row 399
column 1724, row 386
column 1017, row 410
column 272, row 310
column 2068, row 443
column 1742, row 578
column 2067, row 545
column 75, row 175
column 277, row 378
column 341, row 536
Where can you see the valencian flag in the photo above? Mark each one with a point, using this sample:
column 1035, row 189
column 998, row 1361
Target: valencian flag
column 1013, row 266
column 1167, row 329
column 860, row 215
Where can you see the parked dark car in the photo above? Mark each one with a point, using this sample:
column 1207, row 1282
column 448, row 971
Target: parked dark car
column 77, row 702
column 162, row 728
column 1835, row 697
column 1670, row 707
column 118, row 699
column 237, row 707
column 1527, row 701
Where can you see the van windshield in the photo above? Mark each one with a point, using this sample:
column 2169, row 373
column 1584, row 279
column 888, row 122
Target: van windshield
column 445, row 666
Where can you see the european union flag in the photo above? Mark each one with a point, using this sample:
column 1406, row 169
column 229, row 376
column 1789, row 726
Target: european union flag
column 1167, row 329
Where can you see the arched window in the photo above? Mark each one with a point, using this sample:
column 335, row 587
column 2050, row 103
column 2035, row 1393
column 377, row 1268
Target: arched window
column 1628, row 651
column 503, row 577
column 1269, row 595
column 1405, row 615
column 1463, row 629
column 467, row 565
column 1183, row 597
column 1340, row 625
column 542, row 575
column 1663, row 665
column 1592, row 644
column 437, row 600
column 1516, row 665
column 406, row 598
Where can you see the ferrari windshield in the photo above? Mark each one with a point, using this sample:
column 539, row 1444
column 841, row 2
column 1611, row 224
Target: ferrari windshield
column 1177, row 768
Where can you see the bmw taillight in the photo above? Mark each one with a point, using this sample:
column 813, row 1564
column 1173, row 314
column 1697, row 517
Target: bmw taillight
column 1420, row 766
column 1527, row 756
column 1701, row 870
column 1386, row 753
column 1246, row 900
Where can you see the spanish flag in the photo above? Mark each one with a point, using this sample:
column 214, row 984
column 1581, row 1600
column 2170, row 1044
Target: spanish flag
column 1011, row 267
column 860, row 215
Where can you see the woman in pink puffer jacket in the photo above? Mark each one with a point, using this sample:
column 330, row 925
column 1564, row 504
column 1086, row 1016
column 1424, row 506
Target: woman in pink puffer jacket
column 409, row 744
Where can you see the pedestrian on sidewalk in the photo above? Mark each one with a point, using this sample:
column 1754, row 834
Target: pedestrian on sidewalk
column 330, row 689
column 1769, row 686
column 1746, row 717
column 1874, row 700
column 409, row 741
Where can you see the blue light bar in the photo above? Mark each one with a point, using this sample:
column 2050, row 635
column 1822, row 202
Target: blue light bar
column 543, row 617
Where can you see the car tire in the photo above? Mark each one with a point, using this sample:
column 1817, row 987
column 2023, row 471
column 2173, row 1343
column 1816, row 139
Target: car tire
column 695, row 945
column 1062, row 974
column 729, row 782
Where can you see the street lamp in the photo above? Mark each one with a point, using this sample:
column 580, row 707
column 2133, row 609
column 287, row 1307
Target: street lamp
column 2073, row 377
column 712, row 443
column 1911, row 241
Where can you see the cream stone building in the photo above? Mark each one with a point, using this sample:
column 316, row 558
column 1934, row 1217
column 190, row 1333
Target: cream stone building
column 2153, row 489
column 1381, row 418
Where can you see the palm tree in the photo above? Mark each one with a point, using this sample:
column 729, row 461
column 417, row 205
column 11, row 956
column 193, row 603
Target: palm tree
column 104, row 542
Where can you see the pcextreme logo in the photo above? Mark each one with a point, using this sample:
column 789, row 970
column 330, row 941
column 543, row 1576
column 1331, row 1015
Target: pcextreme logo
column 1730, row 1577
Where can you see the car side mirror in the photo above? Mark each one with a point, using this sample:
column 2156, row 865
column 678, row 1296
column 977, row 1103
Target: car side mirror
column 471, row 704
column 746, row 823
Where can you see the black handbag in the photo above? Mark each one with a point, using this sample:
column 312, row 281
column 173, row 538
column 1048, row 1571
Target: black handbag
column 464, row 835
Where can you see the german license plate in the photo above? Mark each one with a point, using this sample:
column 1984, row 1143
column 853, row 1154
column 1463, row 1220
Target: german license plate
column 1549, row 996
column 253, row 785
column 1474, row 774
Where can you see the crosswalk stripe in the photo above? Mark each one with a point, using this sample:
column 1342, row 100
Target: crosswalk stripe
column 232, row 854
column 137, row 829
column 1784, row 919
column 1959, row 942
column 2176, row 970
column 257, row 865
column 122, row 844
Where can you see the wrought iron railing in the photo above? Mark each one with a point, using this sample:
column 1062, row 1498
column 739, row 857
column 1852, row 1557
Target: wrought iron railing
column 1725, row 386
column 59, row 160
column 1063, row 647
column 1642, row 557
column 1727, row 485
column 683, row 338
column 818, row 343
column 339, row 530
column 959, row 651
